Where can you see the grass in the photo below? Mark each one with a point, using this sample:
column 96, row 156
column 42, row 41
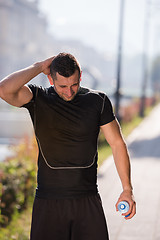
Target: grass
column 103, row 152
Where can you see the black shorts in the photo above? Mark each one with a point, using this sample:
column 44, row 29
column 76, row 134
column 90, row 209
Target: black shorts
column 69, row 219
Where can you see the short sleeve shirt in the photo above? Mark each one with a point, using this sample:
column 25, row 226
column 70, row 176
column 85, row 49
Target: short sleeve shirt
column 67, row 133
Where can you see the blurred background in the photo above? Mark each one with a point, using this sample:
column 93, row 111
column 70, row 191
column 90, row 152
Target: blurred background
column 117, row 43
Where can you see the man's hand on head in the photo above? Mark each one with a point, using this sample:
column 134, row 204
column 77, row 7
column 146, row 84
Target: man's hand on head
column 45, row 65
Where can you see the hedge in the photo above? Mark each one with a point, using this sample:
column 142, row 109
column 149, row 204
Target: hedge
column 17, row 180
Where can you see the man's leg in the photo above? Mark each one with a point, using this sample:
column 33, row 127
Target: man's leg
column 50, row 220
column 90, row 223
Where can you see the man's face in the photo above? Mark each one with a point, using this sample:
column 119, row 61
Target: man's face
column 67, row 87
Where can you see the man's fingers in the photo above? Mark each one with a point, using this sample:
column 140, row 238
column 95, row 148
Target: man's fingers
column 46, row 65
column 132, row 212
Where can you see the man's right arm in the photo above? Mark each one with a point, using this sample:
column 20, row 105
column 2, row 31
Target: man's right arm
column 12, row 87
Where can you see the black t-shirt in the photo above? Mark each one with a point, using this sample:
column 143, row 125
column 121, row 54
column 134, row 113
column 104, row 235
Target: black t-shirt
column 66, row 133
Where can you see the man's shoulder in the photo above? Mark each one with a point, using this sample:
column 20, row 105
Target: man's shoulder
column 40, row 89
column 92, row 92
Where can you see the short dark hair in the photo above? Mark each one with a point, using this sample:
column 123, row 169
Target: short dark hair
column 65, row 64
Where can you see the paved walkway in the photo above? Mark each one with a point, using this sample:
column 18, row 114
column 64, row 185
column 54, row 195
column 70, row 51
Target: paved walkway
column 144, row 148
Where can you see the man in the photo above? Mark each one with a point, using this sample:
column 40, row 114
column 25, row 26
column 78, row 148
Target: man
column 67, row 119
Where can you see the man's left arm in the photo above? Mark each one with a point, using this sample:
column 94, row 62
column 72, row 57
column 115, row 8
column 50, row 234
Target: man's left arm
column 113, row 135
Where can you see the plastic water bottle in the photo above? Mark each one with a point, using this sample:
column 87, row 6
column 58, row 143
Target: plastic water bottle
column 123, row 207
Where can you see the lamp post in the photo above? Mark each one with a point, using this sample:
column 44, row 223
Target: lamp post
column 119, row 59
column 145, row 58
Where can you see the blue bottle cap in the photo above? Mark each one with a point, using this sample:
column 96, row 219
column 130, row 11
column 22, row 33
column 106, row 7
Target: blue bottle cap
column 123, row 207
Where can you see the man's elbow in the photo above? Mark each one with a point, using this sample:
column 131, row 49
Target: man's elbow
column 4, row 93
column 118, row 144
column 2, row 90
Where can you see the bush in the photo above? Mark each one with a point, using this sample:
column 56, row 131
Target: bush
column 18, row 180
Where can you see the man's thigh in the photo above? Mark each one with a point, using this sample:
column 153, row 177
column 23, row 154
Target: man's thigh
column 69, row 219
column 90, row 223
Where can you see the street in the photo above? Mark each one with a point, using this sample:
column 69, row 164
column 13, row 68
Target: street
column 144, row 149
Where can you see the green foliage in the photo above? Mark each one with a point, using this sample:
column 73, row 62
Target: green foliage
column 18, row 181
column 19, row 227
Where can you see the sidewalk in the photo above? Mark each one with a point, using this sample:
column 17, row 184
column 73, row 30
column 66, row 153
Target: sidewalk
column 144, row 149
